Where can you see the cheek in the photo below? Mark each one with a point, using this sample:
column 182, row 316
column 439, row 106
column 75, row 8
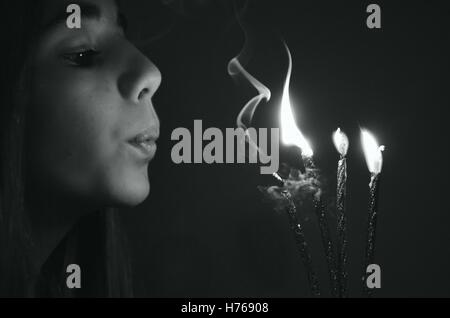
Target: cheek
column 78, row 142
column 71, row 130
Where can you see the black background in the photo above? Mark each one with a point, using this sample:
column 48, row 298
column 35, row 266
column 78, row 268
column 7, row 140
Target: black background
column 205, row 230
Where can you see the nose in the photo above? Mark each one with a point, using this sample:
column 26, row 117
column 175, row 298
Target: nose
column 140, row 78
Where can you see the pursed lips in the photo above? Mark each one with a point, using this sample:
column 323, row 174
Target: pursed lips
column 145, row 142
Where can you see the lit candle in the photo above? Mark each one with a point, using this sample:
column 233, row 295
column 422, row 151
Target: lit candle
column 291, row 135
column 374, row 160
column 243, row 121
column 341, row 143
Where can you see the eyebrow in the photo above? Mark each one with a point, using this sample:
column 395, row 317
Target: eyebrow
column 88, row 11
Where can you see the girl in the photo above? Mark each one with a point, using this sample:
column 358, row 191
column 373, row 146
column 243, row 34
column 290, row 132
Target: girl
column 78, row 130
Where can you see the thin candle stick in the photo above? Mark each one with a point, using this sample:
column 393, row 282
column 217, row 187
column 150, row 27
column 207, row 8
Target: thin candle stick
column 325, row 234
column 371, row 230
column 341, row 143
column 342, row 226
column 374, row 160
column 301, row 243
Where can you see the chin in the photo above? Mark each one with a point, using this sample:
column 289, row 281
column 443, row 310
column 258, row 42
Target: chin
column 132, row 192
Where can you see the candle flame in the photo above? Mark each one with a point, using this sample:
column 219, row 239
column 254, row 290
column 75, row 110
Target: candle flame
column 290, row 134
column 340, row 141
column 372, row 152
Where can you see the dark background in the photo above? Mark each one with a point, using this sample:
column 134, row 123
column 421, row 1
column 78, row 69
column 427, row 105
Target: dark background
column 205, row 230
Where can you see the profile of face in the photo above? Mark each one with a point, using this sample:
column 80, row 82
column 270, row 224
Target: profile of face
column 92, row 128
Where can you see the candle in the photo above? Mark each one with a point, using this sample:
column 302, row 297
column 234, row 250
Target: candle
column 291, row 135
column 300, row 241
column 244, row 120
column 341, row 143
column 374, row 160
column 320, row 211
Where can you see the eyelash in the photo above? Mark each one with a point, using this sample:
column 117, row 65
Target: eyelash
column 84, row 58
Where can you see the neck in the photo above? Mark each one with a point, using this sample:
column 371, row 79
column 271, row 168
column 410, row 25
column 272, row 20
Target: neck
column 51, row 218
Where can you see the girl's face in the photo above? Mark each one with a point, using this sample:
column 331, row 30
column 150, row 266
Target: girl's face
column 92, row 126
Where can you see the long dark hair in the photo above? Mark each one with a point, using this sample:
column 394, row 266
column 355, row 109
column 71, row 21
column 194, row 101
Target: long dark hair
column 108, row 269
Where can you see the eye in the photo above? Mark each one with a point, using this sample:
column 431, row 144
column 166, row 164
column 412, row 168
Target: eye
column 84, row 58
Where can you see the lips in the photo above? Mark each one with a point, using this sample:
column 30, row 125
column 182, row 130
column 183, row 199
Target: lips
column 145, row 143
